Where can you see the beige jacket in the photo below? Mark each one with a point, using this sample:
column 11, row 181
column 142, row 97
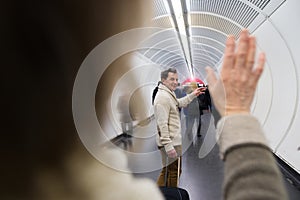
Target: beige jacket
column 167, row 116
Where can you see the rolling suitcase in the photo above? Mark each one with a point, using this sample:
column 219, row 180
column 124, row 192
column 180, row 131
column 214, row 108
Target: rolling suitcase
column 174, row 193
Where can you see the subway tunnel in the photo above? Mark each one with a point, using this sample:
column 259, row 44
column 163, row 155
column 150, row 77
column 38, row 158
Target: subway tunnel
column 190, row 35
column 109, row 60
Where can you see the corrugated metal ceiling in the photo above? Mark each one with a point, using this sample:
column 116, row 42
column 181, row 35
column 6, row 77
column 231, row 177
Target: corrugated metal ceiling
column 207, row 23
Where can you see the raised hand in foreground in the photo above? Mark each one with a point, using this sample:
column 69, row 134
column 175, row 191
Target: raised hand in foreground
column 234, row 90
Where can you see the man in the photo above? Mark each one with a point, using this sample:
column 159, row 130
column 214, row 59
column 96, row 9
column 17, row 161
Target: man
column 166, row 111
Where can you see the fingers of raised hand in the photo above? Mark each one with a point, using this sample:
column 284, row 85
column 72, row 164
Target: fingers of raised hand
column 229, row 58
column 251, row 54
column 257, row 71
column 242, row 51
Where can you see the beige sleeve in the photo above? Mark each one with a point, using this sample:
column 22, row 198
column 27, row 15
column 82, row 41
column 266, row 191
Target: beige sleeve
column 238, row 130
column 184, row 101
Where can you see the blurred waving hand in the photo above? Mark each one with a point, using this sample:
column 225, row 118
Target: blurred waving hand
column 234, row 90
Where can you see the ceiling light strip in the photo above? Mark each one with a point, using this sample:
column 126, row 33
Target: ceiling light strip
column 177, row 15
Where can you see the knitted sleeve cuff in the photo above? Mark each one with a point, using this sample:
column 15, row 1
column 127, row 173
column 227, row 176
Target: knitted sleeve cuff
column 169, row 147
column 236, row 130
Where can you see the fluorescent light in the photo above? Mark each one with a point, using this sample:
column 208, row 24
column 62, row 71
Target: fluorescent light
column 188, row 7
column 177, row 7
column 179, row 16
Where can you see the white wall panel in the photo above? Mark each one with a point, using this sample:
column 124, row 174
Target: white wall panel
column 281, row 72
column 286, row 20
column 263, row 98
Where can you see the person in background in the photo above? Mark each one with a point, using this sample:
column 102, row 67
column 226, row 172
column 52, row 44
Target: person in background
column 191, row 112
column 250, row 168
column 204, row 101
column 168, row 122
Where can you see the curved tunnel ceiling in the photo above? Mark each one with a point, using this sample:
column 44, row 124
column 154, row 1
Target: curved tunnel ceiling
column 207, row 24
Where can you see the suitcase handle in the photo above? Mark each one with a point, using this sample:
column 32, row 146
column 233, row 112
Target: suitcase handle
column 178, row 170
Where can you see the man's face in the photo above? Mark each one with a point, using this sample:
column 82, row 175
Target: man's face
column 171, row 82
